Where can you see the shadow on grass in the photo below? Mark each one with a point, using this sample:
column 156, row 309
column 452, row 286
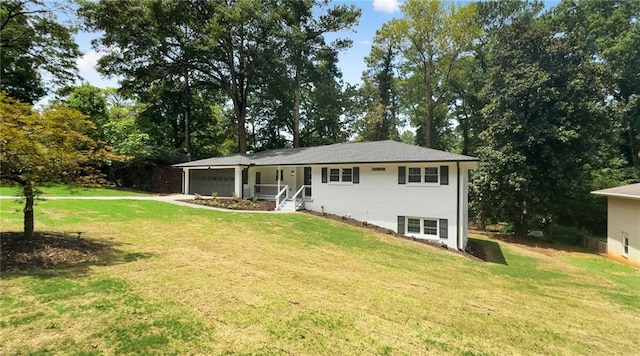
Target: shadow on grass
column 488, row 251
column 50, row 254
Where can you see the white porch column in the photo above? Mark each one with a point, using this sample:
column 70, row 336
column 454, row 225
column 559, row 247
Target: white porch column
column 238, row 181
column 185, row 182
column 278, row 178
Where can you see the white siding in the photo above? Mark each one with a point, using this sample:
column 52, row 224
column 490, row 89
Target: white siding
column 623, row 216
column 379, row 199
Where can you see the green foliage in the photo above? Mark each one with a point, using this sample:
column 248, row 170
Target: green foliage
column 39, row 147
column 565, row 234
column 36, row 51
column 431, row 37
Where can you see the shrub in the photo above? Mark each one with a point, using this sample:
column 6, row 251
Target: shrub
column 565, row 234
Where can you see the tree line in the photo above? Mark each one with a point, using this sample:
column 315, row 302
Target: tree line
column 546, row 98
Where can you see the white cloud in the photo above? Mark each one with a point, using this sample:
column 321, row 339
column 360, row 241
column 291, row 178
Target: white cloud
column 88, row 61
column 87, row 70
column 388, row 6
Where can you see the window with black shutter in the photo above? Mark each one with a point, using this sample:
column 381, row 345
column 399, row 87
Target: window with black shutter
column 324, row 175
column 444, row 175
column 444, row 228
column 401, row 225
column 402, row 175
column 356, row 175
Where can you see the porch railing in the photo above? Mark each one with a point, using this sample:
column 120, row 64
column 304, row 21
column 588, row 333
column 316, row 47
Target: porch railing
column 299, row 197
column 266, row 191
column 282, row 196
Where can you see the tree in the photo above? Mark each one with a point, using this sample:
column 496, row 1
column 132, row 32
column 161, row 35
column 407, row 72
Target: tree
column 33, row 42
column 90, row 101
column 610, row 31
column 546, row 126
column 379, row 93
column 304, row 44
column 431, row 38
column 41, row 147
column 215, row 45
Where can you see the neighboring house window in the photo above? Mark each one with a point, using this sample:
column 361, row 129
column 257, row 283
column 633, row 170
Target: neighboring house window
column 625, row 243
column 334, row 175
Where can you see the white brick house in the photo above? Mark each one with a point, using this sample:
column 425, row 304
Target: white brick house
column 412, row 190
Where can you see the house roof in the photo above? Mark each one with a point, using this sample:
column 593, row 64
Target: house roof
column 631, row 191
column 355, row 152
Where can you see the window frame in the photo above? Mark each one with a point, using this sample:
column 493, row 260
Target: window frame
column 341, row 175
column 435, row 228
column 420, row 230
column 413, row 175
column 435, row 175
column 333, row 175
column 418, row 176
column 410, row 225
column 344, row 175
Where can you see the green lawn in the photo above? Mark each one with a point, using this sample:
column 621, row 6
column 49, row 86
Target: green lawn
column 178, row 280
column 64, row 190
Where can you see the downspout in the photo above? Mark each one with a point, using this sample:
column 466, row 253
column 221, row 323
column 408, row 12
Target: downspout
column 458, row 207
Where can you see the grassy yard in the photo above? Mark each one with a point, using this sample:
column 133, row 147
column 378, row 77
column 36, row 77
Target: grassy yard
column 177, row 280
column 64, row 190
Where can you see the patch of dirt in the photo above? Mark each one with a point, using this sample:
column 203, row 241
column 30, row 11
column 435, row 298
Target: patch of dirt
column 234, row 203
column 46, row 250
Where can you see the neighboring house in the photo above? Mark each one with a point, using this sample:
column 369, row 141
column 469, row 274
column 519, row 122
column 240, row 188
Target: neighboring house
column 623, row 223
column 415, row 191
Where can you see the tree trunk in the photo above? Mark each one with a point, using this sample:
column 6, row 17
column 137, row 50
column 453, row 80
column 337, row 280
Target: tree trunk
column 296, row 109
column 428, row 88
column 187, row 111
column 27, row 189
column 633, row 147
column 242, row 130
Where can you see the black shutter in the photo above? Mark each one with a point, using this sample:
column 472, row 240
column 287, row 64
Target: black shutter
column 444, row 175
column 402, row 175
column 401, row 225
column 324, row 174
column 444, row 228
column 356, row 175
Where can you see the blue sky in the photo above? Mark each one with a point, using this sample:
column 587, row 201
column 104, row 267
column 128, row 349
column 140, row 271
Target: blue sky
column 374, row 14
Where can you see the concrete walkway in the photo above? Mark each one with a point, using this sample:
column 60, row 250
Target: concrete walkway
column 172, row 199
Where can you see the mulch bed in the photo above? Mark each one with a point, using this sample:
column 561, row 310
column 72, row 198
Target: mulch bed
column 46, row 250
column 234, row 203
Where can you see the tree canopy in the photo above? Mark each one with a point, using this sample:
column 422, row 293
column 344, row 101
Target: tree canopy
column 36, row 50
column 39, row 147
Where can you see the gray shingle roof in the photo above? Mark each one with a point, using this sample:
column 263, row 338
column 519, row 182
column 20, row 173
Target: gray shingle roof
column 631, row 191
column 355, row 152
